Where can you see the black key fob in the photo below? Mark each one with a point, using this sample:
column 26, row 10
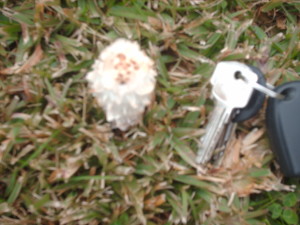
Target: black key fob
column 256, row 100
column 283, row 127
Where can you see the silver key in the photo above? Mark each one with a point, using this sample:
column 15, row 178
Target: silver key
column 230, row 93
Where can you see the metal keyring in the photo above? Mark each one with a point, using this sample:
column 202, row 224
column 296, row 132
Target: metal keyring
column 266, row 90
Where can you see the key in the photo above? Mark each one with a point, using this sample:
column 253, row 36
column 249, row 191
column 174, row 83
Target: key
column 230, row 92
column 252, row 108
column 283, row 127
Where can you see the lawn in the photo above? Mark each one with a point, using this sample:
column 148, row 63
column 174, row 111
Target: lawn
column 62, row 163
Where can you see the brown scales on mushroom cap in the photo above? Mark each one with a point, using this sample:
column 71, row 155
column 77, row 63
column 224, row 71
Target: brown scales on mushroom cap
column 121, row 56
column 125, row 68
column 135, row 65
column 123, row 79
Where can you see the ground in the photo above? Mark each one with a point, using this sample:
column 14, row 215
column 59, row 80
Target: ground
column 61, row 163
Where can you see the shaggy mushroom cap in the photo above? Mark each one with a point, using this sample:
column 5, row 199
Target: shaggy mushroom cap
column 122, row 80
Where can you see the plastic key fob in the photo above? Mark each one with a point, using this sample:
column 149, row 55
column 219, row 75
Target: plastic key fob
column 283, row 127
column 256, row 100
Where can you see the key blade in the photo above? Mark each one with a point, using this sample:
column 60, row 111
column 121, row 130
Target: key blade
column 213, row 133
column 219, row 153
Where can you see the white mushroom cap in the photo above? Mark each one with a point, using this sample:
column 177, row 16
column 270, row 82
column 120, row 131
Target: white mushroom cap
column 123, row 80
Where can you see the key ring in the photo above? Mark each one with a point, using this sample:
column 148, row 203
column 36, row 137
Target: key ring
column 266, row 90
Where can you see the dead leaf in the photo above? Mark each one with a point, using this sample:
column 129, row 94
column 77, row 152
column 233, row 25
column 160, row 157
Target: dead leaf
column 71, row 167
column 253, row 136
column 232, row 153
column 25, row 33
column 39, row 11
column 9, row 70
column 155, row 23
column 155, row 201
column 32, row 61
column 281, row 23
column 3, row 147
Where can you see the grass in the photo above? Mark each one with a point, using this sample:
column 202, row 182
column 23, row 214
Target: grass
column 62, row 164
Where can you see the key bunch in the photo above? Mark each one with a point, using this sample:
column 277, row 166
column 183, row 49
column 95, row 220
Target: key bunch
column 239, row 91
